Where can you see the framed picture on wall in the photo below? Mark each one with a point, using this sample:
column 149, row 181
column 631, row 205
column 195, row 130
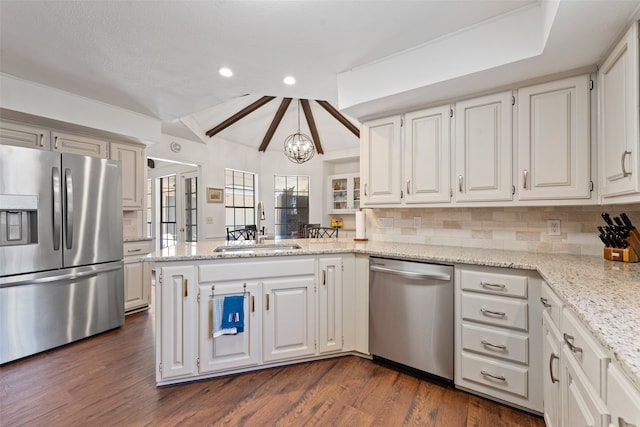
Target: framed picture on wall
column 214, row 195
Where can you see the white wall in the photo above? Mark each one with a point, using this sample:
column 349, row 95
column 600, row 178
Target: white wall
column 31, row 98
column 219, row 154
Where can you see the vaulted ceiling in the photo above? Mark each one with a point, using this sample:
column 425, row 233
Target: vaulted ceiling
column 161, row 58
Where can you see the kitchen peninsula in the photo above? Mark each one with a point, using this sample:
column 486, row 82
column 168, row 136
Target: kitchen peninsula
column 603, row 295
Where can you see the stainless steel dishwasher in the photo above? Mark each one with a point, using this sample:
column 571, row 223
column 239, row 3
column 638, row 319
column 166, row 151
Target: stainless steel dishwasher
column 411, row 315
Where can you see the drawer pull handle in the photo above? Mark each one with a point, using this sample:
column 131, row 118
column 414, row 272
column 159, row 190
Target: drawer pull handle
column 551, row 358
column 493, row 285
column 624, row 169
column 495, row 377
column 253, row 304
column 623, row 423
column 545, row 302
column 569, row 340
column 493, row 313
column 134, row 250
column 267, row 296
column 185, row 288
column 500, row 347
column 42, row 140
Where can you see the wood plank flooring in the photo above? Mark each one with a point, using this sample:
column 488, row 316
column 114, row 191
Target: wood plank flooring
column 109, row 380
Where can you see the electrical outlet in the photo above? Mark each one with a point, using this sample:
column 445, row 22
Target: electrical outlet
column 553, row 227
column 417, row 221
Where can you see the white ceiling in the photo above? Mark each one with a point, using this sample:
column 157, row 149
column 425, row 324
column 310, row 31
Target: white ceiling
column 160, row 58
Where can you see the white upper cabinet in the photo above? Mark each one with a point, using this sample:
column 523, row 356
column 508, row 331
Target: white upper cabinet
column 81, row 145
column 619, row 139
column 484, row 148
column 133, row 173
column 427, row 156
column 380, row 161
column 24, row 135
column 554, row 140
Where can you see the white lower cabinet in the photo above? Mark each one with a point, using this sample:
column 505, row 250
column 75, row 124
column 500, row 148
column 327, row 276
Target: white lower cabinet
column 623, row 400
column 551, row 344
column 289, row 303
column 137, row 283
column 330, row 299
column 228, row 351
column 289, row 318
column 498, row 334
column 175, row 320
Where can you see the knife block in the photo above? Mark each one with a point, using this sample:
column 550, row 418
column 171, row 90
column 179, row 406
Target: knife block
column 624, row 255
column 629, row 254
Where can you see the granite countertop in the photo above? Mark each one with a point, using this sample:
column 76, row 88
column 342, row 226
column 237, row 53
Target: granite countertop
column 605, row 295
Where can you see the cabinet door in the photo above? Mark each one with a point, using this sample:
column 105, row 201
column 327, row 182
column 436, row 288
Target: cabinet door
column 288, row 319
column 619, row 102
column 581, row 405
column 131, row 158
column 380, row 161
column 81, row 145
column 176, row 322
column 340, row 193
column 427, row 156
column 551, row 378
column 623, row 399
column 330, row 305
column 134, row 295
column 229, row 351
column 484, row 148
column 24, row 136
column 554, row 140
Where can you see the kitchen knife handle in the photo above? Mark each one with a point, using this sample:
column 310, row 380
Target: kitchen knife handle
column 57, row 208
column 460, row 183
column 624, row 169
column 626, row 221
column 525, row 176
column 607, row 218
column 69, row 203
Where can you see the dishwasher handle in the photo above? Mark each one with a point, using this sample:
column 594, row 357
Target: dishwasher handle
column 411, row 274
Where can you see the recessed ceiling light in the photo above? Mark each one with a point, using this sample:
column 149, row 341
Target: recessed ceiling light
column 289, row 80
column 226, row 72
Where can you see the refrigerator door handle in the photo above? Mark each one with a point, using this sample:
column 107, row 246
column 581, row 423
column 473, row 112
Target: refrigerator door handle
column 69, row 213
column 57, row 208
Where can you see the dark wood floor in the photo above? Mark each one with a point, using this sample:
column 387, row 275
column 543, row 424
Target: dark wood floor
column 110, row 380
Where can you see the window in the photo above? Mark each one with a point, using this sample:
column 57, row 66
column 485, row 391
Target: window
column 239, row 198
column 191, row 209
column 291, row 205
column 168, row 228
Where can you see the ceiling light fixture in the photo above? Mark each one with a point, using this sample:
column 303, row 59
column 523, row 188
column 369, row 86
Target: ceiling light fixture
column 289, row 80
column 298, row 147
column 225, row 72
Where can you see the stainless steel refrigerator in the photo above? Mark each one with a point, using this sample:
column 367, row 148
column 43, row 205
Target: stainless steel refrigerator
column 61, row 268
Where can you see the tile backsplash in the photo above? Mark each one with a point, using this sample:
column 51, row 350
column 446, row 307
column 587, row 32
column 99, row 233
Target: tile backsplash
column 511, row 228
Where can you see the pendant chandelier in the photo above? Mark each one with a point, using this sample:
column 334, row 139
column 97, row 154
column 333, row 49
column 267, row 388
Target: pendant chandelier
column 298, row 147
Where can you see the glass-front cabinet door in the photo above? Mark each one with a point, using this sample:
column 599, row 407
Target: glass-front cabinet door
column 344, row 193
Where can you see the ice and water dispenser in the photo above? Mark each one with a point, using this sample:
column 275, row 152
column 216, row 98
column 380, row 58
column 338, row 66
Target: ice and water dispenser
column 18, row 219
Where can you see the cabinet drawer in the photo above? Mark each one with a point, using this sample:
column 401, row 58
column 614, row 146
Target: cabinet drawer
column 623, row 399
column 137, row 249
column 494, row 283
column 495, row 311
column 494, row 374
column 494, row 343
column 585, row 350
column 551, row 303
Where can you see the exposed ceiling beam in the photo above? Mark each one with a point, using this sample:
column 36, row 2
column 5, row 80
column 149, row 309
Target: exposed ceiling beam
column 312, row 125
column 239, row 115
column 339, row 117
column 274, row 123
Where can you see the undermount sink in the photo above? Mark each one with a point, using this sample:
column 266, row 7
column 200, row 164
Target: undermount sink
column 257, row 247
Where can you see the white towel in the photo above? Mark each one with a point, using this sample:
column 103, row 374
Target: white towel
column 218, row 305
